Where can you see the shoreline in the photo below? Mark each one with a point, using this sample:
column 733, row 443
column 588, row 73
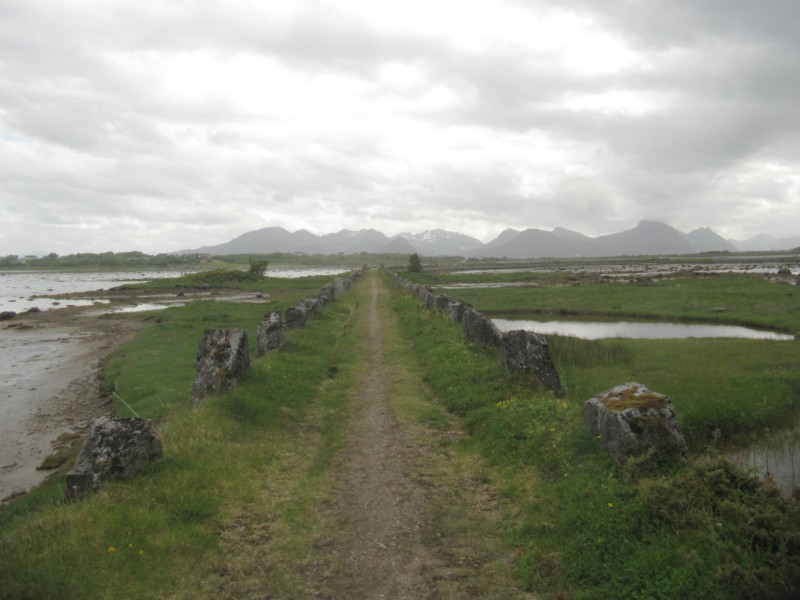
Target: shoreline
column 49, row 386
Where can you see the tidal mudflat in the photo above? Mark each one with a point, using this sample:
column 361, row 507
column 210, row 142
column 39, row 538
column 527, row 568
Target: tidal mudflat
column 49, row 387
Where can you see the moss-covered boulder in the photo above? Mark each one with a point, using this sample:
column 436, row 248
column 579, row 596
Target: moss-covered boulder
column 116, row 448
column 629, row 420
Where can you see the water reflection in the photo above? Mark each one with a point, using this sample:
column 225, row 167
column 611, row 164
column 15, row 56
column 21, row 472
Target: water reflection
column 637, row 330
column 768, row 459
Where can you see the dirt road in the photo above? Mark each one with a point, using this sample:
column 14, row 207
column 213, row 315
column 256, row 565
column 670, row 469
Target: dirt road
column 414, row 519
column 380, row 503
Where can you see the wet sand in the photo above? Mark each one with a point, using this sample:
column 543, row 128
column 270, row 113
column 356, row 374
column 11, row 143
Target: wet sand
column 49, row 386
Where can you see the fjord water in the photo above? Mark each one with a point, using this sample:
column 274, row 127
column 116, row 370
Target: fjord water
column 23, row 290
column 637, row 330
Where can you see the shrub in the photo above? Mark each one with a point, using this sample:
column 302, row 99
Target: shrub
column 414, row 263
column 258, row 266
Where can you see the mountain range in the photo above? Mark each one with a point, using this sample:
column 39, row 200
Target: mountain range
column 647, row 238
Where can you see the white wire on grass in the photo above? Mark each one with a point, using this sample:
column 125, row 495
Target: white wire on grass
column 135, row 414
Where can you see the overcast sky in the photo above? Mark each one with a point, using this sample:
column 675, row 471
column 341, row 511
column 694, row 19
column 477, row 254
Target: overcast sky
column 158, row 125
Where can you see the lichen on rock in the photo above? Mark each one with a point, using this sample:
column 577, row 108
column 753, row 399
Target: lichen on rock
column 115, row 448
column 629, row 420
column 222, row 360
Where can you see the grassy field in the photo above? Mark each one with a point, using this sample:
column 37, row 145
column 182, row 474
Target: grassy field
column 236, row 505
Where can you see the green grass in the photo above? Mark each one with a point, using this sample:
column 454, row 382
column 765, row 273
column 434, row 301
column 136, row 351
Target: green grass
column 247, row 464
column 740, row 299
column 465, row 521
column 739, row 388
column 152, row 380
column 589, row 526
column 736, row 386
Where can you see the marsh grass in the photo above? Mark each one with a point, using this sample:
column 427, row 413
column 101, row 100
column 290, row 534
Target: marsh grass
column 736, row 387
column 730, row 299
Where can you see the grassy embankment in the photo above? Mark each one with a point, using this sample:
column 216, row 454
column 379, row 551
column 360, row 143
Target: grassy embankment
column 239, row 505
column 590, row 527
column 239, row 471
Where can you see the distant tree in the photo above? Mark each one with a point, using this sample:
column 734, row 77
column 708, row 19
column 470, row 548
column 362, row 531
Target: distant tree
column 257, row 267
column 414, row 263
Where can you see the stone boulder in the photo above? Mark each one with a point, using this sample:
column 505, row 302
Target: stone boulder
column 313, row 306
column 271, row 333
column 341, row 285
column 429, row 299
column 527, row 352
column 222, row 360
column 630, row 420
column 477, row 328
column 7, row 315
column 115, row 448
column 455, row 310
column 420, row 291
column 441, row 302
column 296, row 316
column 327, row 294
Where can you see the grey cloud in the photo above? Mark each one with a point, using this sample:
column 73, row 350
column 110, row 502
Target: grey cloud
column 83, row 131
column 657, row 24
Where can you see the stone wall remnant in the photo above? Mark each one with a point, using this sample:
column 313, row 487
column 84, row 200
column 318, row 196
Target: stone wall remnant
column 271, row 333
column 629, row 420
column 477, row 328
column 296, row 316
column 455, row 310
column 327, row 294
column 341, row 285
column 528, row 352
column 520, row 351
column 222, row 360
column 313, row 306
column 115, row 448
column 441, row 302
